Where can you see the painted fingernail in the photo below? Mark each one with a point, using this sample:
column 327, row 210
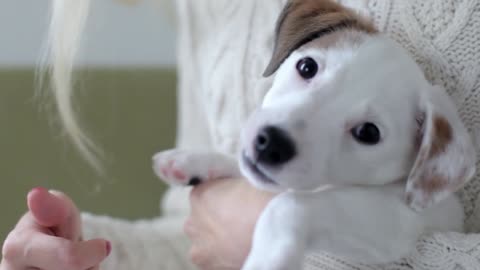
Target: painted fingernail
column 108, row 247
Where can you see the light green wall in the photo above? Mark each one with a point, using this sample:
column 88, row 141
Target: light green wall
column 130, row 113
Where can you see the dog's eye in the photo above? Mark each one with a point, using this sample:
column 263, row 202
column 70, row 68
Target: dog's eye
column 366, row 133
column 307, row 68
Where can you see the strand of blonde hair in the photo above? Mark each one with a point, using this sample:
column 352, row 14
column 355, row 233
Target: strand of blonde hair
column 68, row 19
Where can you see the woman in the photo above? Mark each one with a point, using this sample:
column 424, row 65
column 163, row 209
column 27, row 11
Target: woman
column 224, row 46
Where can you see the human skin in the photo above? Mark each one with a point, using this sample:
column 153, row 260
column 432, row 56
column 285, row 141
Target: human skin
column 49, row 237
column 221, row 223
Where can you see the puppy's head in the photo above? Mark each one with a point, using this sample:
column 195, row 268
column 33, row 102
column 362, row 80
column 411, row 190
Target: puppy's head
column 349, row 106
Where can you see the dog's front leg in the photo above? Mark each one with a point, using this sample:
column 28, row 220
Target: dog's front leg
column 185, row 167
column 279, row 241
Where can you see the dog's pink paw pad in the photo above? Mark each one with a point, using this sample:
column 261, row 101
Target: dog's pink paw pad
column 164, row 171
column 179, row 175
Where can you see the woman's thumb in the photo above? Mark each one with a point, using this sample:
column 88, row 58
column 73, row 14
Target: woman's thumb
column 47, row 209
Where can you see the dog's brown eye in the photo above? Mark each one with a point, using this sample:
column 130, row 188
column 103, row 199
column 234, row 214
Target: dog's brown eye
column 307, row 68
column 366, row 133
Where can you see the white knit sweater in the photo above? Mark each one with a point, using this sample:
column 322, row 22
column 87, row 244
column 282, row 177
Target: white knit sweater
column 224, row 45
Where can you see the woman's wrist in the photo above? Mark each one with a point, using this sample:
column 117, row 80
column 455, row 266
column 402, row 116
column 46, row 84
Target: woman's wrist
column 223, row 212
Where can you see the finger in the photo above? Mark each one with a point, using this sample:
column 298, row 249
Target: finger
column 54, row 253
column 71, row 228
column 56, row 211
column 48, row 210
column 28, row 224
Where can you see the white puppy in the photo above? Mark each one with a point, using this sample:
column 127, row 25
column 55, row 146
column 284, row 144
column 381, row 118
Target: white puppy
column 366, row 155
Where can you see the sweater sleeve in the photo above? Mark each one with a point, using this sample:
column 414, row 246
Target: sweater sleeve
column 192, row 124
column 147, row 245
column 160, row 243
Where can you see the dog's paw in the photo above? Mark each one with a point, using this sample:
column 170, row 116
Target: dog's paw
column 178, row 167
column 183, row 167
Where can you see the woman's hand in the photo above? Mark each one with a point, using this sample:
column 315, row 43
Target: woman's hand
column 48, row 237
column 222, row 221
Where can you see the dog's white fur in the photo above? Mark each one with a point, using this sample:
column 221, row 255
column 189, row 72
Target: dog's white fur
column 367, row 203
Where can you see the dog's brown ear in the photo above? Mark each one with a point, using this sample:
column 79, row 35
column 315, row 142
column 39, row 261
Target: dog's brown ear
column 446, row 154
column 302, row 21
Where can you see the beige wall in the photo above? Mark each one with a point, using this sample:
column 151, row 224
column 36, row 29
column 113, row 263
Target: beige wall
column 131, row 114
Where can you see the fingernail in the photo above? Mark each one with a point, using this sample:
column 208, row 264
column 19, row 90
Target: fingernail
column 53, row 191
column 108, row 247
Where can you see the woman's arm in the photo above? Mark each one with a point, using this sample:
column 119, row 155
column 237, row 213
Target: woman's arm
column 151, row 244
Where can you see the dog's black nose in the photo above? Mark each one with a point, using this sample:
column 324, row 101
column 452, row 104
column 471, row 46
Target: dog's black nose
column 273, row 146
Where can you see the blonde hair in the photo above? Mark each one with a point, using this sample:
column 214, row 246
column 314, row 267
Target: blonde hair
column 68, row 18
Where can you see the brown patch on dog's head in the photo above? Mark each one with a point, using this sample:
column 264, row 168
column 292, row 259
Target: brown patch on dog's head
column 302, row 21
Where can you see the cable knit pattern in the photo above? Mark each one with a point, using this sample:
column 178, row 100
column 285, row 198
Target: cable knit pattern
column 224, row 46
